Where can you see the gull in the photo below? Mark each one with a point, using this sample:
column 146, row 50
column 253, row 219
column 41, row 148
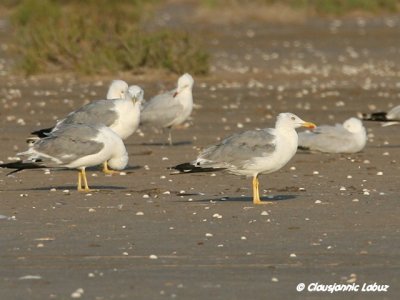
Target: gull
column 74, row 146
column 117, row 90
column 251, row 153
column 121, row 115
column 170, row 109
column 349, row 137
column 389, row 118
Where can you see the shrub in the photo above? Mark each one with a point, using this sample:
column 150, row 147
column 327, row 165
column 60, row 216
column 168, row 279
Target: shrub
column 99, row 37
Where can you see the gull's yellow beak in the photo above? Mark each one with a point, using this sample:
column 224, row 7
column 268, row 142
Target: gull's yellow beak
column 309, row 125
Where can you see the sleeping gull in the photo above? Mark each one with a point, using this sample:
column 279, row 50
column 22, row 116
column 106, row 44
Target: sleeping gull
column 389, row 118
column 121, row 115
column 252, row 152
column 75, row 146
column 350, row 137
column 170, row 109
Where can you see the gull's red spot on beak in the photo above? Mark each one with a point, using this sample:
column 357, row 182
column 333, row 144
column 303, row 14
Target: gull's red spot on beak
column 309, row 125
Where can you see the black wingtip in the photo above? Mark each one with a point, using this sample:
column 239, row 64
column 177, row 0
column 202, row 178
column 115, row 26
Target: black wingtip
column 42, row 132
column 303, row 148
column 378, row 116
column 190, row 168
column 183, row 168
column 20, row 165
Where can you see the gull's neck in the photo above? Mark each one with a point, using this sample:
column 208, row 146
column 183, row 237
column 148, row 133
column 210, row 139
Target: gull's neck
column 184, row 95
column 288, row 137
column 284, row 127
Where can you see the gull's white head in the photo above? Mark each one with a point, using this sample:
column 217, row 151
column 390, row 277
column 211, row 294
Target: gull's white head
column 289, row 120
column 119, row 162
column 184, row 82
column 117, row 90
column 353, row 125
column 135, row 93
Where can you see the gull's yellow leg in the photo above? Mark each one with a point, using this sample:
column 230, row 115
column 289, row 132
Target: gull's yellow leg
column 107, row 171
column 79, row 187
column 256, row 196
column 86, row 189
column 258, row 189
column 256, row 192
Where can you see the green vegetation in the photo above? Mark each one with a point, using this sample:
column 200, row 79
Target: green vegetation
column 104, row 36
column 99, row 36
column 340, row 7
column 324, row 7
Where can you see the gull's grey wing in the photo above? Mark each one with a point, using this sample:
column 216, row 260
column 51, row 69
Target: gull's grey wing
column 161, row 110
column 98, row 112
column 239, row 149
column 338, row 129
column 158, row 101
column 68, row 144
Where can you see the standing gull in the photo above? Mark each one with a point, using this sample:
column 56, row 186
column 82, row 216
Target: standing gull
column 117, row 90
column 252, row 152
column 389, row 118
column 170, row 109
column 75, row 146
column 121, row 115
column 349, row 137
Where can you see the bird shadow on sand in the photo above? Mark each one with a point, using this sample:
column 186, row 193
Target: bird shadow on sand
column 131, row 168
column 384, row 146
column 126, row 170
column 304, row 151
column 141, row 153
column 175, row 144
column 72, row 188
column 275, row 198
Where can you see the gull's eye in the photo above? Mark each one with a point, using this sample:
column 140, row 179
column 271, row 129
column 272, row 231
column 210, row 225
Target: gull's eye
column 293, row 118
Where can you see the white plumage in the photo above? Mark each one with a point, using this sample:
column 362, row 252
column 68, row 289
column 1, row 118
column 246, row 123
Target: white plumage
column 117, row 90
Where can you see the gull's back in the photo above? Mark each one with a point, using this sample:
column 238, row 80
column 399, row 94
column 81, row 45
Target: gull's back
column 98, row 112
column 238, row 150
column 67, row 144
